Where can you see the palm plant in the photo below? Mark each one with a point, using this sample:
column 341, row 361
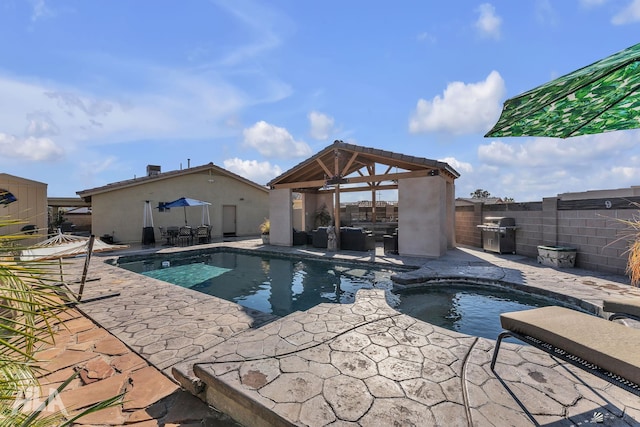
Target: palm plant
column 30, row 304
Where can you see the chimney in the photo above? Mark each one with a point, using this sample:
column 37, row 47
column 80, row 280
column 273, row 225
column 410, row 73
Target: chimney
column 153, row 170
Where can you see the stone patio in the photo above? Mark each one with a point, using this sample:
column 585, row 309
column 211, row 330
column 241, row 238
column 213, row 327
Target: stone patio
column 352, row 364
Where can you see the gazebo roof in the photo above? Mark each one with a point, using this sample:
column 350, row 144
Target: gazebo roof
column 354, row 167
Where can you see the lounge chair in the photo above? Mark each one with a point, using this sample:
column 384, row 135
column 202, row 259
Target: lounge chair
column 606, row 349
column 623, row 308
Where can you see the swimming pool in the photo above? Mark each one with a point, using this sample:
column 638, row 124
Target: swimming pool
column 271, row 284
column 281, row 285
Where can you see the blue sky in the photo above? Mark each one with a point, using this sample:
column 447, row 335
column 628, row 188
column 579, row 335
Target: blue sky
column 94, row 91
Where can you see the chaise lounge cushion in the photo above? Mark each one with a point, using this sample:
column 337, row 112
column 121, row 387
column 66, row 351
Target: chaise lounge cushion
column 612, row 346
column 623, row 305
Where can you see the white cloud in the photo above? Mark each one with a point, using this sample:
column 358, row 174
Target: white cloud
column 463, row 108
column 628, row 15
column 321, row 125
column 592, row 3
column 427, row 38
column 545, row 13
column 545, row 167
column 173, row 104
column 262, row 24
column 551, row 152
column 40, row 10
column 259, row 172
column 274, row 141
column 30, row 148
column 460, row 166
column 488, row 23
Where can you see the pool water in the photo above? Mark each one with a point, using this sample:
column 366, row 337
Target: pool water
column 281, row 285
column 269, row 284
column 469, row 309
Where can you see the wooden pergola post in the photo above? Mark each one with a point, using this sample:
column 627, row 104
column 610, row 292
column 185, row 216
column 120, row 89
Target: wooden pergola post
column 336, row 191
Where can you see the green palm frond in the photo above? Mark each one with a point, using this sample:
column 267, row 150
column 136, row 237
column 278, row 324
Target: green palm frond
column 31, row 301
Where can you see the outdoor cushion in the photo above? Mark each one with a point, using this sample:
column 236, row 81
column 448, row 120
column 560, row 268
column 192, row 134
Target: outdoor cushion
column 320, row 238
column 611, row 346
column 628, row 305
column 356, row 239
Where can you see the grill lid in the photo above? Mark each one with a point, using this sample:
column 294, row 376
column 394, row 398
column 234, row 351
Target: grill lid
column 499, row 221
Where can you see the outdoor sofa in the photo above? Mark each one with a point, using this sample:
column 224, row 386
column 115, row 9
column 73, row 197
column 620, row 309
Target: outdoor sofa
column 356, row 239
column 319, row 237
column 299, row 237
column 351, row 239
column 607, row 349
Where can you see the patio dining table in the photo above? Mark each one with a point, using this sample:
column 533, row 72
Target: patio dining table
column 172, row 234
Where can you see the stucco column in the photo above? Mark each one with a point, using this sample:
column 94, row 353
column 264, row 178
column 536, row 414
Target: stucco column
column 281, row 217
column 423, row 223
column 451, row 215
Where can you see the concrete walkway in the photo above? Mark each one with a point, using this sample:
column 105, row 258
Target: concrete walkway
column 363, row 363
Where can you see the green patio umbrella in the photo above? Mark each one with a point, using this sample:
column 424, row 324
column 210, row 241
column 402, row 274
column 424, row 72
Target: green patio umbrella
column 601, row 97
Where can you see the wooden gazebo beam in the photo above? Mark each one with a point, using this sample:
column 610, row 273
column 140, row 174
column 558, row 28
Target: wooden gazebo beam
column 356, row 179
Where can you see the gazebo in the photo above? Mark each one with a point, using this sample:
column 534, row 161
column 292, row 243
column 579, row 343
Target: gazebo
column 426, row 194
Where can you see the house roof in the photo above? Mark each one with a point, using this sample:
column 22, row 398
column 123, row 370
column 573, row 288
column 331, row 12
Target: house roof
column 485, row 200
column 5, row 177
column 353, row 164
column 86, row 194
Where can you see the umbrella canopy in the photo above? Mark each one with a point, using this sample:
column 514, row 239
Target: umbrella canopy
column 6, row 197
column 600, row 97
column 186, row 201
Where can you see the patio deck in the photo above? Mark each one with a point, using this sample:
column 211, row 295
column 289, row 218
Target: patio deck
column 362, row 363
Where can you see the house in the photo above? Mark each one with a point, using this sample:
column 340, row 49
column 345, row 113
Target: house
column 30, row 206
column 237, row 205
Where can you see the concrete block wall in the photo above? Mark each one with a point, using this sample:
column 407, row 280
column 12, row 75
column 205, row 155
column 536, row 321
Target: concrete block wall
column 599, row 235
column 467, row 232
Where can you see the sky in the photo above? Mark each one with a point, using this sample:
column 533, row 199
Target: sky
column 94, row 91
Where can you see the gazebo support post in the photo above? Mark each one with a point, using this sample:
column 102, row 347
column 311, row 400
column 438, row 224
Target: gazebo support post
column 373, row 205
column 336, row 213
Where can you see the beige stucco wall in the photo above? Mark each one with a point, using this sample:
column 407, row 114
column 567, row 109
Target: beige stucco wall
column 31, row 206
column 423, row 222
column 281, row 217
column 120, row 212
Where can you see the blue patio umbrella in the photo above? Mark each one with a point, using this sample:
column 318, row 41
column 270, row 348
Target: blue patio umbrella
column 6, row 197
column 186, row 201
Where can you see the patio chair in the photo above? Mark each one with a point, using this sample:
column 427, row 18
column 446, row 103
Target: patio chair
column 623, row 308
column 185, row 235
column 203, row 234
column 606, row 349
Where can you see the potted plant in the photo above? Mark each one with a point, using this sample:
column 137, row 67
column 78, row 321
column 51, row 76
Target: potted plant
column 322, row 217
column 265, row 228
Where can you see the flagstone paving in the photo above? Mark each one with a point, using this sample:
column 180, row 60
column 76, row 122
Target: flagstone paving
column 352, row 364
column 104, row 367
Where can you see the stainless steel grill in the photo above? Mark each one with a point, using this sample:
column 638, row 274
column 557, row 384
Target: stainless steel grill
column 499, row 234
